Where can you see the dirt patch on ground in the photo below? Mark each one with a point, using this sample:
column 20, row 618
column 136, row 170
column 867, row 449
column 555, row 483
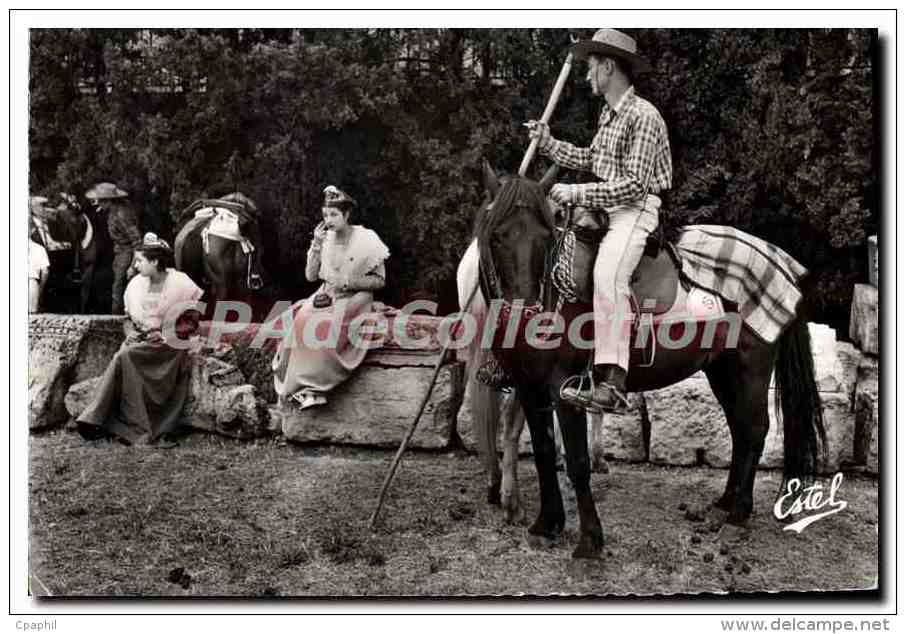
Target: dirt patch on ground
column 216, row 517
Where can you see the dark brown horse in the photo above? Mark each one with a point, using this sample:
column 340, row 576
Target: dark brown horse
column 72, row 267
column 514, row 238
column 224, row 270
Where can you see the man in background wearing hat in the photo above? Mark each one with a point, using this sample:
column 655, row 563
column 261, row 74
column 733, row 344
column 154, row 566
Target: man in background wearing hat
column 121, row 231
column 630, row 154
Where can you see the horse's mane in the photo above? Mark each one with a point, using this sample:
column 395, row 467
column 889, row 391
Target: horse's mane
column 513, row 189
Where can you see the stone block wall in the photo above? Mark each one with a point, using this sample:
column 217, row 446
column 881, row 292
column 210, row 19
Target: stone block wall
column 679, row 425
column 374, row 407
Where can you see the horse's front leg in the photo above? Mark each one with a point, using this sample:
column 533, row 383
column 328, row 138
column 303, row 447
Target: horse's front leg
column 535, row 402
column 578, row 466
column 513, row 422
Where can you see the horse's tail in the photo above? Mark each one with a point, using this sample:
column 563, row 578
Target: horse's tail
column 796, row 399
column 485, row 408
column 484, row 401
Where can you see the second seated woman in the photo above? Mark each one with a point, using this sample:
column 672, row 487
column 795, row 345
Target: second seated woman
column 146, row 385
column 349, row 260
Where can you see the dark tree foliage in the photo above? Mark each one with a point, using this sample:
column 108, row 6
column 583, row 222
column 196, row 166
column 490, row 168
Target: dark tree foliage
column 772, row 131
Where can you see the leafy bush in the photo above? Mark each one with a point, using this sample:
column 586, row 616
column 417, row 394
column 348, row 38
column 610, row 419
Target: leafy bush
column 772, row 131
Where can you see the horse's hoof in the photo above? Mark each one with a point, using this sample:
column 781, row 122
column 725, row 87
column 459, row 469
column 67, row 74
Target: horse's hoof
column 513, row 513
column 542, row 541
column 724, row 503
column 733, row 533
column 589, row 547
column 548, row 530
column 739, row 518
column 599, row 464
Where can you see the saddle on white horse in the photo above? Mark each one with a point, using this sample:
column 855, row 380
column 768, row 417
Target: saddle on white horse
column 223, row 219
column 225, row 224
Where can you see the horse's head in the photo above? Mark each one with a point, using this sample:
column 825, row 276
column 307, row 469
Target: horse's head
column 514, row 234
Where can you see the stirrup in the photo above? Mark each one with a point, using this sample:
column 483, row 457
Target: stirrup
column 579, row 400
column 255, row 282
column 621, row 406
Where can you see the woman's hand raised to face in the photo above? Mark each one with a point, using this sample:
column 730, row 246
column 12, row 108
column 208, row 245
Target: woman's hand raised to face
column 320, row 232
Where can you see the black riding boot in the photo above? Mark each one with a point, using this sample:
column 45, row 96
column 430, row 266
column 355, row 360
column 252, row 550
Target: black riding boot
column 607, row 395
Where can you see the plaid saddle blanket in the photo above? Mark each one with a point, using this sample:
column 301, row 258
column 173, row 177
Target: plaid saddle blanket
column 760, row 278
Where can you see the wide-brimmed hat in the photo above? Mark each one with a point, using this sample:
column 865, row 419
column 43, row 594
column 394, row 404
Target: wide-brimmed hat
column 612, row 43
column 105, row 191
column 337, row 198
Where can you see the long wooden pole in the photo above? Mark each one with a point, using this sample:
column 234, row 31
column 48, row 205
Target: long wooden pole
column 526, row 161
column 399, row 454
column 548, row 111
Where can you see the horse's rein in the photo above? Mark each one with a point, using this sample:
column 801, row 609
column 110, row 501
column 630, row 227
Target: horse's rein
column 491, row 281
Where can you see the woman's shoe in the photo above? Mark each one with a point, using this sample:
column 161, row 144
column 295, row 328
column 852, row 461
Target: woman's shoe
column 307, row 399
column 318, row 399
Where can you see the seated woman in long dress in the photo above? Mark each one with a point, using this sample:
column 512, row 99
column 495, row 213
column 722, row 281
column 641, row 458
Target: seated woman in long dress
column 145, row 387
column 349, row 259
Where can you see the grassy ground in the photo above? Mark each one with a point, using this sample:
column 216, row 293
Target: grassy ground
column 219, row 517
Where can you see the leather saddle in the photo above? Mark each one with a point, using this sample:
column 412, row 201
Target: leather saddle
column 655, row 283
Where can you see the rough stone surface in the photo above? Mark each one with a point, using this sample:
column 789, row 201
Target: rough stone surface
column 63, row 350
column 219, row 400
column 687, row 425
column 839, row 425
column 252, row 350
column 376, row 406
column 863, row 318
column 835, row 361
column 824, row 354
column 79, row 395
column 872, row 459
column 619, row 437
column 848, row 356
column 866, row 414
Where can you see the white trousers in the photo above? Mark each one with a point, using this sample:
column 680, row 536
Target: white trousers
column 619, row 255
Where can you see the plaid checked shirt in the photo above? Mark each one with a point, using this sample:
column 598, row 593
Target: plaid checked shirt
column 630, row 154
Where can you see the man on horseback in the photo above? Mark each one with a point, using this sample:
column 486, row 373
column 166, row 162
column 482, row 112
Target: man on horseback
column 122, row 227
column 630, row 154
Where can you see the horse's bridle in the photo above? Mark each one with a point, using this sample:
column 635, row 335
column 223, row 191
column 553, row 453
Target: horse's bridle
column 493, row 290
